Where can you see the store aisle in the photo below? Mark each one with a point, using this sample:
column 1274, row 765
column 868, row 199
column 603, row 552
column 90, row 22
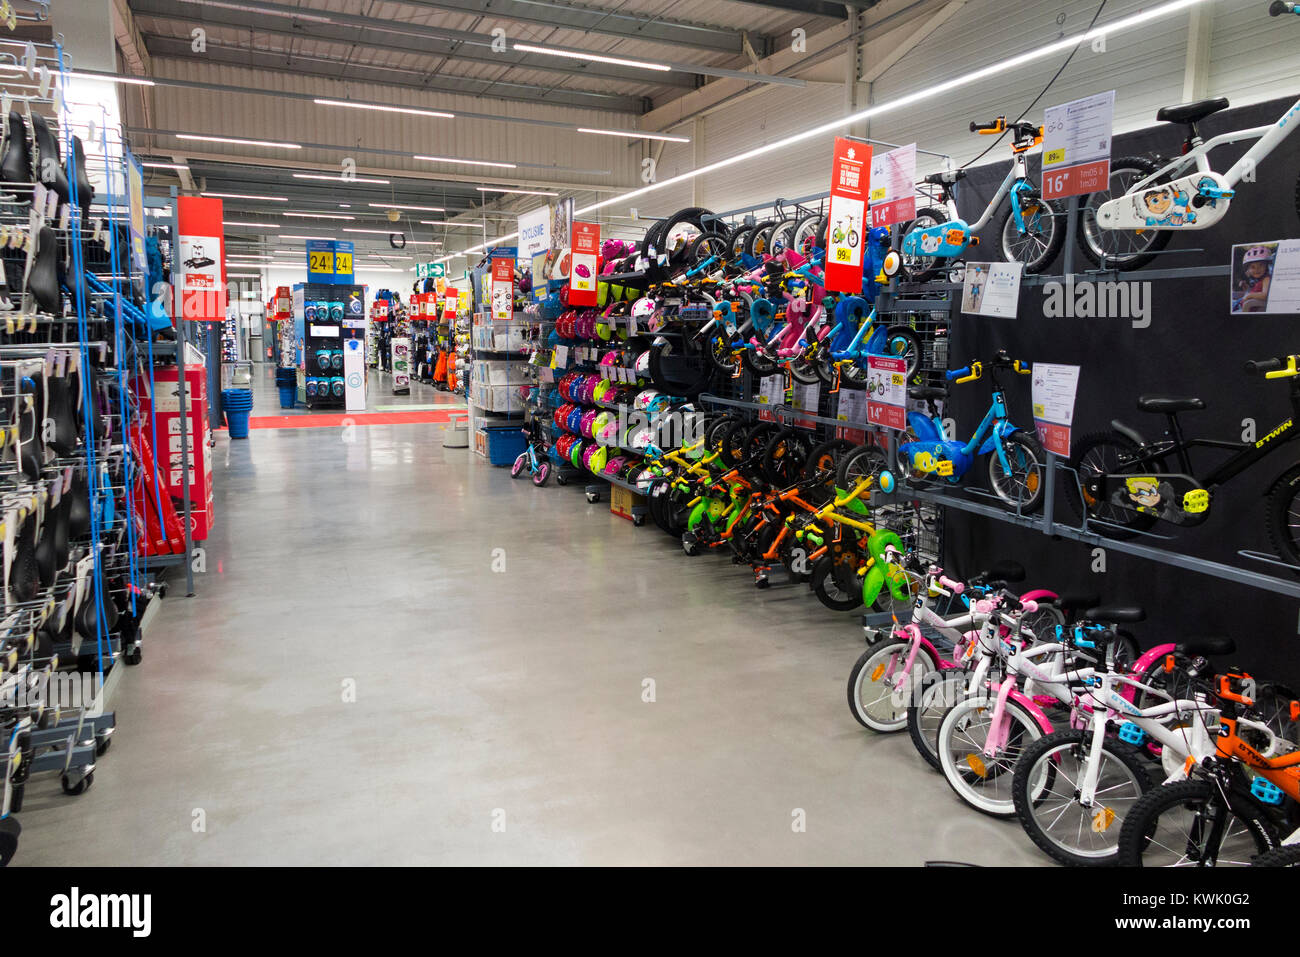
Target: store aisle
column 395, row 648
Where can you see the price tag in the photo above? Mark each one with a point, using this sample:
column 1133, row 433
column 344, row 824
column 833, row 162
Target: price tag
column 1076, row 146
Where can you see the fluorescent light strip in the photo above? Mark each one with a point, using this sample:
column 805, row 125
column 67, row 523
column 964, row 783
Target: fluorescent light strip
column 269, row 199
column 418, row 209
column 593, row 57
column 375, row 232
column 452, row 159
column 381, row 108
column 133, row 80
column 164, row 165
column 930, row 92
column 339, row 179
column 524, row 192
column 291, row 236
column 235, row 222
column 229, row 139
column 320, row 215
column 635, row 135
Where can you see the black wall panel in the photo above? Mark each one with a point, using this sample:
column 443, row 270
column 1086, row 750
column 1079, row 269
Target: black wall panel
column 1193, row 346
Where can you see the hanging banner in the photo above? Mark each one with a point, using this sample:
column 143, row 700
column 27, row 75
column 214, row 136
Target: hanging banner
column 450, row 304
column 560, row 250
column 201, row 289
column 893, row 197
column 582, row 277
column 887, row 392
column 534, row 233
column 135, row 203
column 503, row 288
column 850, row 186
column 1054, row 389
column 1076, row 146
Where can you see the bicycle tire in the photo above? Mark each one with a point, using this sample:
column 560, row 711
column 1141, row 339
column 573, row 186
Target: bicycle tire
column 1047, row 250
column 925, row 717
column 872, row 664
column 961, row 780
column 822, row 464
column 759, row 239
column 864, row 460
column 924, row 268
column 1288, row 855
column 784, row 457
column 1122, row 524
column 1140, row 837
column 1031, row 497
column 663, row 360
column 828, row 590
column 806, row 235
column 1282, row 498
column 1090, row 243
column 1039, row 768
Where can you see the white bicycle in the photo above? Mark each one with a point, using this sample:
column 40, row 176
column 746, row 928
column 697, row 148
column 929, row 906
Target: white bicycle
column 1126, row 226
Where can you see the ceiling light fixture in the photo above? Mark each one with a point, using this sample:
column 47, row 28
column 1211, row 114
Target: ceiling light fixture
column 235, row 222
column 525, row 192
column 290, row 236
column 230, row 139
column 418, row 209
column 452, row 159
column 268, row 199
column 375, row 232
column 111, row 78
column 635, row 135
column 381, row 108
column 320, row 215
column 164, row 165
column 593, row 57
column 340, row 179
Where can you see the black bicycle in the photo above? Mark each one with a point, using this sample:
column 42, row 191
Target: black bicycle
column 1129, row 484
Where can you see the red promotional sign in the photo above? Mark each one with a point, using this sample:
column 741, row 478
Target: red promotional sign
column 503, row 288
column 887, row 392
column 200, row 279
column 582, row 271
column 1053, row 438
column 847, row 232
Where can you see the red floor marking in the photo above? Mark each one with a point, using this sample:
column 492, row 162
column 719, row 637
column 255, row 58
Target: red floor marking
column 325, row 420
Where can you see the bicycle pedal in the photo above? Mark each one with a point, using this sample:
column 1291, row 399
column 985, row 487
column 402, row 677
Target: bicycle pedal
column 1130, row 733
column 1266, row 791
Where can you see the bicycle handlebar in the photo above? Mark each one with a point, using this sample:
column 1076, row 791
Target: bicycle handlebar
column 1277, row 368
column 955, row 587
column 966, row 373
column 1279, row 7
column 988, row 129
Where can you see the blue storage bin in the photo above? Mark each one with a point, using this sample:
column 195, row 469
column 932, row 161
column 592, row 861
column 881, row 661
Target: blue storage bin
column 504, row 443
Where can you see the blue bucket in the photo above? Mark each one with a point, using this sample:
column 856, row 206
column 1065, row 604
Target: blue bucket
column 288, row 396
column 238, row 424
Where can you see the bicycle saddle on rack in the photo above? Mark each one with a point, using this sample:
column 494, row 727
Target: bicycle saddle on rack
column 79, row 509
column 1116, row 614
column 26, row 449
column 47, row 149
column 24, row 578
column 926, row 392
column 85, row 192
column 61, row 526
column 43, row 281
column 1191, row 112
column 45, row 564
column 59, row 410
column 16, row 164
column 1166, row 404
column 1207, row 646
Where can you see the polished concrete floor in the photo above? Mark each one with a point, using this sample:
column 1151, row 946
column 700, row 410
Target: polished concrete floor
column 398, row 655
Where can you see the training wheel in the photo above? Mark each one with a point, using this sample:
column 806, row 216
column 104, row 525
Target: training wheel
column 593, row 497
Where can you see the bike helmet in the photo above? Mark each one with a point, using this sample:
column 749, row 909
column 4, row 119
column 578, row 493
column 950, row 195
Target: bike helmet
column 643, row 311
column 604, row 428
column 643, row 365
column 588, row 395
column 1257, row 254
column 602, row 389
column 615, row 462
column 644, row 400
column 586, row 422
column 575, row 453
column 593, row 458
column 574, row 421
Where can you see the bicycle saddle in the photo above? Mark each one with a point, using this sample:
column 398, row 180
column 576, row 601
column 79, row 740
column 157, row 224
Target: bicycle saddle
column 88, row 615
column 1191, row 112
column 1078, row 600
column 1167, row 404
column 79, row 509
column 1007, row 572
column 16, row 165
column 61, row 524
column 927, row 392
column 1207, row 646
column 45, row 566
column 43, row 282
column 85, row 192
column 49, row 165
column 27, row 449
column 1116, row 614
column 24, row 578
column 59, row 409
column 946, row 176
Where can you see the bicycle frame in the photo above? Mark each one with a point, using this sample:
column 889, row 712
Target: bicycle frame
column 986, row 438
column 951, row 239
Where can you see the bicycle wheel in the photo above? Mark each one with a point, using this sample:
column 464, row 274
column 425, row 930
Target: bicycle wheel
column 1038, row 246
column 879, row 692
column 784, row 457
column 923, row 268
column 984, row 780
column 822, row 465
column 807, row 235
column 1022, row 484
column 901, row 342
column 1121, row 248
column 759, row 364
column 705, row 246
column 1172, row 826
column 1286, row 856
column 720, row 352
column 760, row 240
column 1044, row 789
column 680, row 368
column 783, row 235
column 803, row 367
column 1097, row 454
column 826, row 586
column 1283, row 515
column 940, row 690
column 864, row 461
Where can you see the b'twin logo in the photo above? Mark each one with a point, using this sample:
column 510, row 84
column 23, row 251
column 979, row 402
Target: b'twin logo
column 102, row 911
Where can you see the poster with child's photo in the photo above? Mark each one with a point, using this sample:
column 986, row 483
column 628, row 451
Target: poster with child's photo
column 1266, row 277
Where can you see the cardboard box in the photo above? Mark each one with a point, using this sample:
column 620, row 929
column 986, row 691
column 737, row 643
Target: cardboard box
column 622, row 501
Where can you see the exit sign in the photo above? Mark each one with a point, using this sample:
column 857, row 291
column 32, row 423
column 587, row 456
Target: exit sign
column 430, row 271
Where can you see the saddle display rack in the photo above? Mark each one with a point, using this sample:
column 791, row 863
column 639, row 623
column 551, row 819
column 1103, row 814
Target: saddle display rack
column 74, row 593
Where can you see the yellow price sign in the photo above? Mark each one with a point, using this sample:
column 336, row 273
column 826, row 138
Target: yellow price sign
column 343, row 264
column 1052, row 157
column 320, row 262
column 897, row 378
column 878, row 194
column 843, row 255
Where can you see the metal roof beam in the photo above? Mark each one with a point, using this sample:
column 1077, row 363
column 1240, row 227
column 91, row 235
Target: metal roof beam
column 431, row 42
column 329, row 68
column 814, row 8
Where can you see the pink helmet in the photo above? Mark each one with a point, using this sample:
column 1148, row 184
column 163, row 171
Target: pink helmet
column 1257, row 254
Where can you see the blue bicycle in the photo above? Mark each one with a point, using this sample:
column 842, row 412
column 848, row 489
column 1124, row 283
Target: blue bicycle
column 1017, row 473
column 534, row 457
column 853, row 337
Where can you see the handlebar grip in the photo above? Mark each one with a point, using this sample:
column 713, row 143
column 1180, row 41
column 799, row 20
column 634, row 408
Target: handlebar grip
column 984, row 129
column 1258, row 366
column 1028, row 606
column 955, row 587
column 953, row 374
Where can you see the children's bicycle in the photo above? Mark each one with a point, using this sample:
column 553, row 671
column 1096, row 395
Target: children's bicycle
column 1032, row 230
column 1016, row 460
column 1129, row 484
column 1149, row 201
column 534, row 457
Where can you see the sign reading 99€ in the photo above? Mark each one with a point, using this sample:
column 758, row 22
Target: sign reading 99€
column 846, row 233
